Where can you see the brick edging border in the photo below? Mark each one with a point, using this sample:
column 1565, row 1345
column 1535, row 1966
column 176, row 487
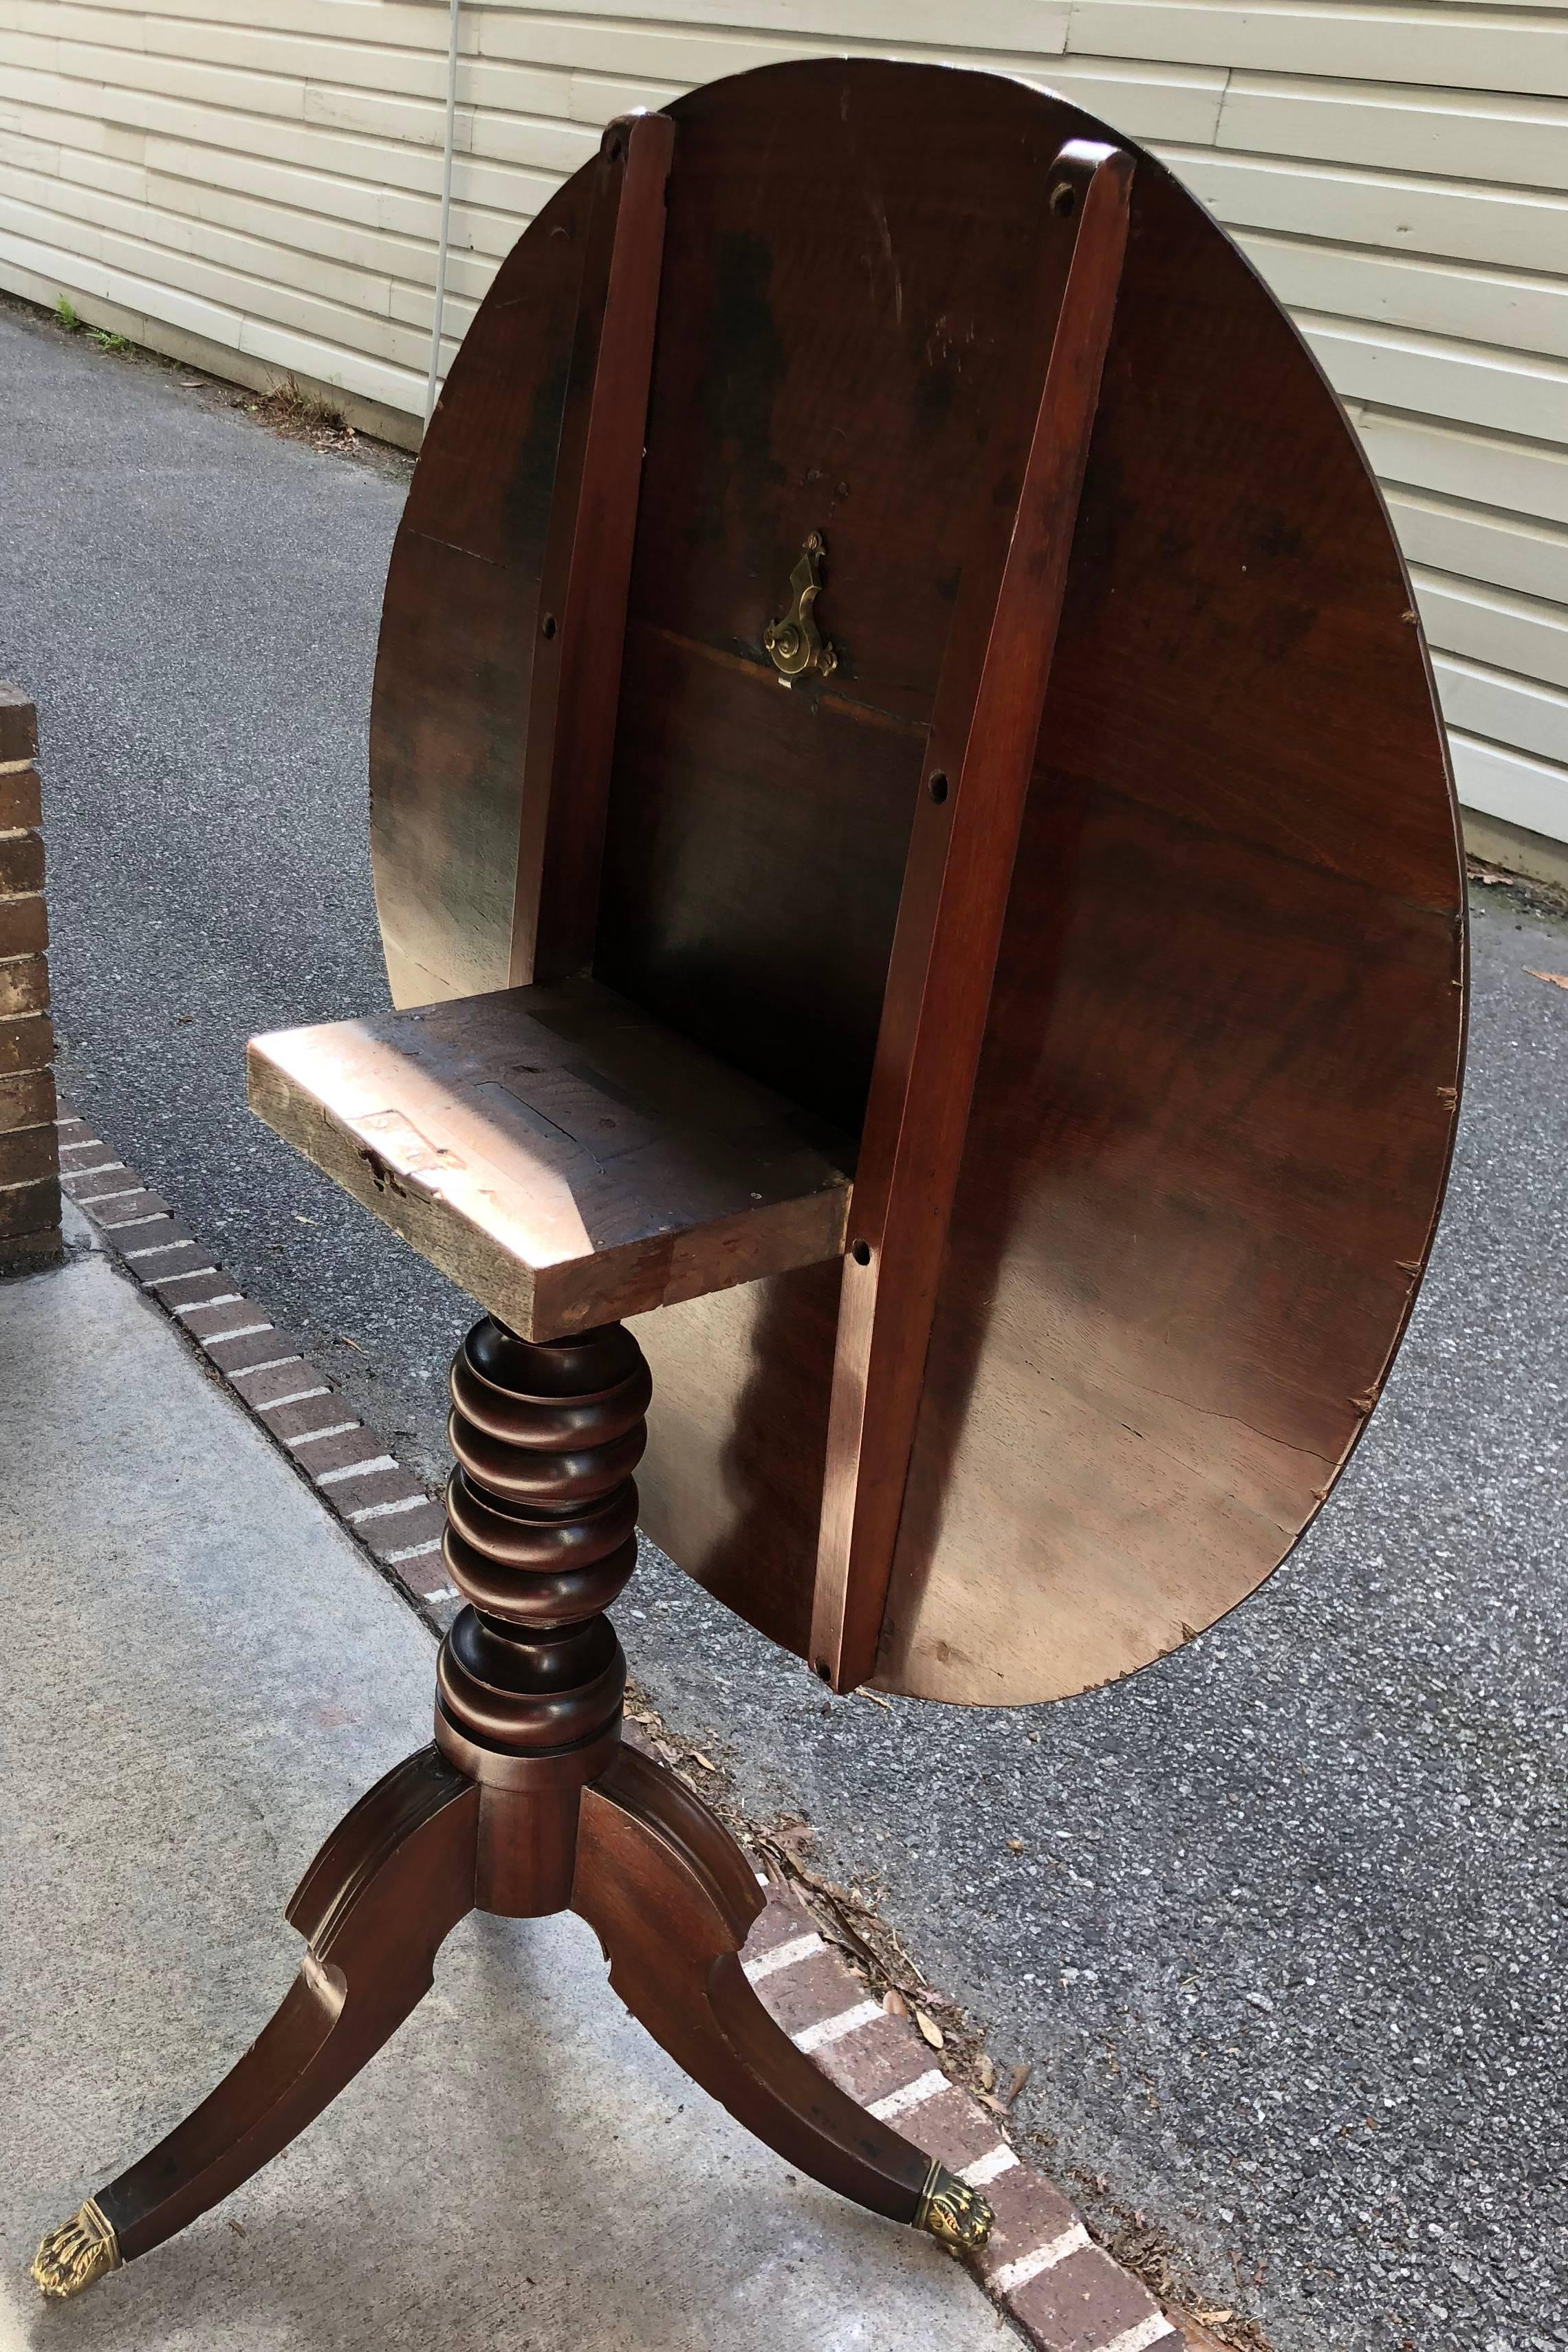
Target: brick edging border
column 382, row 1506
column 1042, row 2267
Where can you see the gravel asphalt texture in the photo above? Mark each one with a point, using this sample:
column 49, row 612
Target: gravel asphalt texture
column 1283, row 1938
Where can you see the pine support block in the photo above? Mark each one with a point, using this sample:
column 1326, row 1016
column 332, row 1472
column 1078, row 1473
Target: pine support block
column 564, row 1158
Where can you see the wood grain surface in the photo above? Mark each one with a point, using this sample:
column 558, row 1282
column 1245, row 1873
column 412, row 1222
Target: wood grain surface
column 976, row 783
column 576, row 674
column 562, row 1157
column 1217, row 1088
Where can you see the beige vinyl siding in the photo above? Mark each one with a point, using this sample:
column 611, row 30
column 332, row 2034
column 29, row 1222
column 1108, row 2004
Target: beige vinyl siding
column 256, row 184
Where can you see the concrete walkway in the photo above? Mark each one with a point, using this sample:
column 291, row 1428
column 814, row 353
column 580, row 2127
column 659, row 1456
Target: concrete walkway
column 202, row 1674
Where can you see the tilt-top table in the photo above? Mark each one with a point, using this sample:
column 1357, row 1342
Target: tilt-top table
column 912, row 837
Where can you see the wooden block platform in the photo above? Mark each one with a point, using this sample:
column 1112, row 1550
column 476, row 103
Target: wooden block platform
column 566, row 1158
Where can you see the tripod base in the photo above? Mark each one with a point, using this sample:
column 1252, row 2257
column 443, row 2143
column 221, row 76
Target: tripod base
column 526, row 1804
column 669, row 1893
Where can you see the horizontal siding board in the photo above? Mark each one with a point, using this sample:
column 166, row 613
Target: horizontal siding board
column 1504, row 390
column 318, row 240
column 90, row 133
column 993, row 25
column 207, row 180
column 70, row 266
column 1453, row 47
column 541, row 146
column 680, row 54
column 28, row 154
column 1482, row 306
column 1510, row 229
column 504, row 187
column 107, row 174
column 492, row 235
column 1515, row 141
column 533, row 88
column 39, row 232
column 94, row 80
column 1146, row 103
column 118, row 28
column 359, row 201
column 130, row 268
column 412, row 26
column 357, row 327
column 307, row 271
column 355, row 371
column 1501, row 782
column 1522, row 633
column 1513, row 552
column 403, row 72
column 386, row 160
column 268, row 178
column 1515, row 711
column 277, row 138
column 592, row 100
column 1522, row 478
column 379, row 115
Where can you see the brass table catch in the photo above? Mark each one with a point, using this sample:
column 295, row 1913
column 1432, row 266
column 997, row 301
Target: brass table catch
column 795, row 642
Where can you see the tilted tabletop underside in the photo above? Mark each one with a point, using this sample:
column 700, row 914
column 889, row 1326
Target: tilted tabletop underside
column 1144, row 1003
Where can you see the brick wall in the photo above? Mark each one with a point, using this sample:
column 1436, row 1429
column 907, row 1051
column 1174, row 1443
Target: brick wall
column 29, row 1151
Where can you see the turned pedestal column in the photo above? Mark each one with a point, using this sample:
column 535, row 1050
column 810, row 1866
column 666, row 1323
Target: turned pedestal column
column 541, row 1538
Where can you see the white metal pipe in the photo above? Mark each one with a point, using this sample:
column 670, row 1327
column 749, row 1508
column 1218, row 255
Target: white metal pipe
column 444, row 236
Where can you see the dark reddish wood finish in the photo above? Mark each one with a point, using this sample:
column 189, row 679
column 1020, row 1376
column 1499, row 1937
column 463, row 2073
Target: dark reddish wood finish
column 576, row 673
column 375, row 1905
column 466, row 607
column 670, row 1898
column 979, row 757
column 540, row 1537
column 1216, row 1089
column 527, row 1804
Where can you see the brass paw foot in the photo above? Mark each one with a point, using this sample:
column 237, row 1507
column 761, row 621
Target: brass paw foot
column 72, row 2256
column 955, row 2215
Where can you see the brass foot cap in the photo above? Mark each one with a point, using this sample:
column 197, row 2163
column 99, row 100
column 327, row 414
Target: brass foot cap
column 956, row 2215
column 72, row 2256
